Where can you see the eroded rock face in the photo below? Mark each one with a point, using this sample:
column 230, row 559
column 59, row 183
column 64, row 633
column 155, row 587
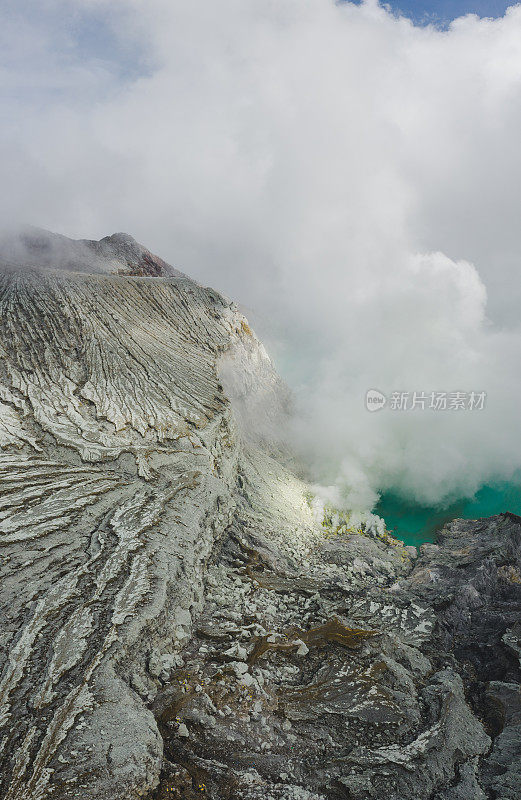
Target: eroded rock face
column 314, row 676
column 118, row 468
column 175, row 621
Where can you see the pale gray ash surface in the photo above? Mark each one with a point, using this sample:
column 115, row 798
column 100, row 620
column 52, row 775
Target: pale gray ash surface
column 176, row 620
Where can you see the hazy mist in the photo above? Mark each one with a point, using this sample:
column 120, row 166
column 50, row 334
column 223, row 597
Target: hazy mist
column 353, row 180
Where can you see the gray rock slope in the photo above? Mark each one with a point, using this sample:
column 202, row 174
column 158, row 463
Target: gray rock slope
column 176, row 621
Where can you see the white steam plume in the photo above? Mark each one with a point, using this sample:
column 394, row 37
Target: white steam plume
column 353, row 178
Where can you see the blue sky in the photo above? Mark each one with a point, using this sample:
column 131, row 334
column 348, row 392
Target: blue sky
column 445, row 10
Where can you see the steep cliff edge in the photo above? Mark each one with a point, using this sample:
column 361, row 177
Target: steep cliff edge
column 176, row 620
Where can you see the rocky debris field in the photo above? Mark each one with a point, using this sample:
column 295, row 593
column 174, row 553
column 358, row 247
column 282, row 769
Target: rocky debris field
column 360, row 674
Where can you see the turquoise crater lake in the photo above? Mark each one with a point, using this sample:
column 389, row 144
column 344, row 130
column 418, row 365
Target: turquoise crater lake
column 415, row 524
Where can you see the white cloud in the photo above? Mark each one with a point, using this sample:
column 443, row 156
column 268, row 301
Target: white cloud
column 353, row 178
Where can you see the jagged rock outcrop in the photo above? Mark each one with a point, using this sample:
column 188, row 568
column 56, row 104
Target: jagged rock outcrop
column 335, row 668
column 177, row 618
column 118, row 254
